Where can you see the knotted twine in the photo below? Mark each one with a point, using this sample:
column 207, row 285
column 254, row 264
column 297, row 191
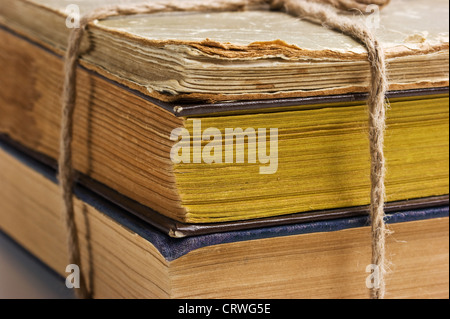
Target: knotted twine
column 325, row 12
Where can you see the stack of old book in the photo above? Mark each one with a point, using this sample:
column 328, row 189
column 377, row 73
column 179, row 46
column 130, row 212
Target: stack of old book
column 226, row 154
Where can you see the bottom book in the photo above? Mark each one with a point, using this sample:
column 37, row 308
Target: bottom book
column 123, row 257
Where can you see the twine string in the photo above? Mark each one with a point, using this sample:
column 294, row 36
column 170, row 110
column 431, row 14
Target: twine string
column 325, row 12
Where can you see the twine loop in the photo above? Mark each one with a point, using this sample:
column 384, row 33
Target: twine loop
column 325, row 12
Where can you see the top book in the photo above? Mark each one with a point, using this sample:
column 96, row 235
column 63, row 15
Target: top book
column 254, row 54
column 289, row 93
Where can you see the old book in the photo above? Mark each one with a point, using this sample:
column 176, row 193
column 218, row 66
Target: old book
column 123, row 140
column 252, row 54
column 123, row 257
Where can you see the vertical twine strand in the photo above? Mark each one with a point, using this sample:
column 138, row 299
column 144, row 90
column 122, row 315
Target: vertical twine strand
column 377, row 119
column 65, row 157
column 312, row 11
